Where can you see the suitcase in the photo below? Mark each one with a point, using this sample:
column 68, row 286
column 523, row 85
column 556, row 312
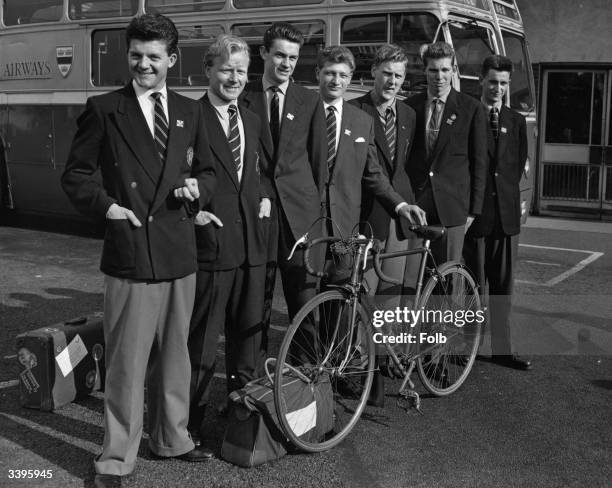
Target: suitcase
column 61, row 363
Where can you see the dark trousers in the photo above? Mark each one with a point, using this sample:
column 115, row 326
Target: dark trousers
column 228, row 301
column 449, row 247
column 492, row 259
column 298, row 285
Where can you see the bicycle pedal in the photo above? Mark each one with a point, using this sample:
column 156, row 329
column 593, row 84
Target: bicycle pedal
column 411, row 399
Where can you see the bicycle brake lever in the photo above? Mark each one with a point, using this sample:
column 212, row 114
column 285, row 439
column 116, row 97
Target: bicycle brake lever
column 301, row 240
column 369, row 246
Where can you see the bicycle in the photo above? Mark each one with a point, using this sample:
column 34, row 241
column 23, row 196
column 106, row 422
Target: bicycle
column 332, row 335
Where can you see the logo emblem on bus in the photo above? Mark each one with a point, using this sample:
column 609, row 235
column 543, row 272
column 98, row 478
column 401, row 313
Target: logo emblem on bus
column 64, row 59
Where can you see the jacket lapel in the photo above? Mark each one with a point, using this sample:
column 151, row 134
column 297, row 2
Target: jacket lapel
column 254, row 99
column 178, row 142
column 345, row 140
column 218, row 141
column 403, row 134
column 504, row 121
column 292, row 108
column 135, row 131
column 450, row 110
column 250, row 168
column 379, row 134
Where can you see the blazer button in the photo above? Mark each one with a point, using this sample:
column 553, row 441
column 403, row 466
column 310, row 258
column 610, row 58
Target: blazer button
column 431, row 173
column 150, row 218
column 238, row 221
column 133, row 184
column 494, row 194
column 496, row 173
column 116, row 163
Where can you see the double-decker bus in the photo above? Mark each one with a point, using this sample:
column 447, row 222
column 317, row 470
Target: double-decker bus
column 56, row 53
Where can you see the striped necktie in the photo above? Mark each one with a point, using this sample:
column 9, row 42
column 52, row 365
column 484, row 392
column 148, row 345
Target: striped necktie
column 275, row 116
column 234, row 136
column 161, row 128
column 494, row 120
column 331, row 137
column 433, row 127
column 390, row 131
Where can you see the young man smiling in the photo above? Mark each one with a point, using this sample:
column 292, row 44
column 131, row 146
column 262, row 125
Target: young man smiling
column 230, row 235
column 151, row 148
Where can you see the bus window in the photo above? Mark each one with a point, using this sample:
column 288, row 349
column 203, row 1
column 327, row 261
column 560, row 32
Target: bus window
column 193, row 43
column 108, row 58
column 272, row 3
column 87, row 9
column 17, row 12
column 314, row 39
column 174, row 6
column 363, row 35
column 472, row 43
column 521, row 96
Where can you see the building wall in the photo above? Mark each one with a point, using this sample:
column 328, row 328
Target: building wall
column 568, row 30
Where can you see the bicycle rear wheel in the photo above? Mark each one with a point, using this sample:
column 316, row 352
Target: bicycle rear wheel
column 328, row 340
column 449, row 330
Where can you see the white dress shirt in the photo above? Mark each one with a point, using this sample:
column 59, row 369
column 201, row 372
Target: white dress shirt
column 147, row 104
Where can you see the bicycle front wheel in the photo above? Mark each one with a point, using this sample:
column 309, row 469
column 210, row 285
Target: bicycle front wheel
column 329, row 343
column 449, row 330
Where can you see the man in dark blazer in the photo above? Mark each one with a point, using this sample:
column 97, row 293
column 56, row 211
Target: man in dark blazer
column 346, row 137
column 491, row 244
column 230, row 235
column 150, row 146
column 394, row 125
column 448, row 162
column 288, row 112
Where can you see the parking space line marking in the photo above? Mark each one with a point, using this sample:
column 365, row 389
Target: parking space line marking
column 8, row 384
column 594, row 255
column 542, row 263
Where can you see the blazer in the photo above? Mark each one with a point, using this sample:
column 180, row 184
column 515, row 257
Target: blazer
column 457, row 167
column 242, row 238
column 372, row 211
column 356, row 166
column 113, row 137
column 295, row 170
column 502, row 197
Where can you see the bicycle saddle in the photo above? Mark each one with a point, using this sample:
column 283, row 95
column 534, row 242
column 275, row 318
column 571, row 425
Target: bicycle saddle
column 428, row 232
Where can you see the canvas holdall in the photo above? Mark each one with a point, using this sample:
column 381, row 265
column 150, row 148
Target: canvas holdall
column 254, row 435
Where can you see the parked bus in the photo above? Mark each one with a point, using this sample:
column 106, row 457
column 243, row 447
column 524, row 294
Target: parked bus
column 54, row 54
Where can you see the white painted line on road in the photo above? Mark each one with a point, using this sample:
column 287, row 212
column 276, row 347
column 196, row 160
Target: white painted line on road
column 8, row 384
column 594, row 255
column 68, row 439
column 542, row 263
column 12, row 356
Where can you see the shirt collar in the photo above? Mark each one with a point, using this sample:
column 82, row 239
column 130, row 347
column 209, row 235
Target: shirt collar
column 267, row 84
column 497, row 105
column 337, row 105
column 443, row 97
column 382, row 109
column 146, row 93
column 220, row 105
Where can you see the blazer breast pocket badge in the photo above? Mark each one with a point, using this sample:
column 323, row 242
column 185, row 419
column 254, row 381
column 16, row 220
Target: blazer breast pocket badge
column 451, row 119
column 190, row 155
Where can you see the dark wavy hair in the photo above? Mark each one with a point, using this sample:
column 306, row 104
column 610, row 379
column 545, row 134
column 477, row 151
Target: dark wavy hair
column 336, row 55
column 282, row 30
column 496, row 62
column 153, row 27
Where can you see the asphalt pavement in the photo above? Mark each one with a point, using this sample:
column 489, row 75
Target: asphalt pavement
column 549, row 427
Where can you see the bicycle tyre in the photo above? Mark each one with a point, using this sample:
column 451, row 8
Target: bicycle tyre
column 350, row 369
column 444, row 367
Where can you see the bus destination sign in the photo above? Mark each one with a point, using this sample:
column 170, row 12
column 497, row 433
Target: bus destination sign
column 506, row 11
column 480, row 4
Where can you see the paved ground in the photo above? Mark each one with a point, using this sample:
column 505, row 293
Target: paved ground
column 550, row 427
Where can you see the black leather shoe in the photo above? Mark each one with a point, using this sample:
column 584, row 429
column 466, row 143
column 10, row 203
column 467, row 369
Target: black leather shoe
column 196, row 455
column 107, row 481
column 512, row 361
column 195, row 437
